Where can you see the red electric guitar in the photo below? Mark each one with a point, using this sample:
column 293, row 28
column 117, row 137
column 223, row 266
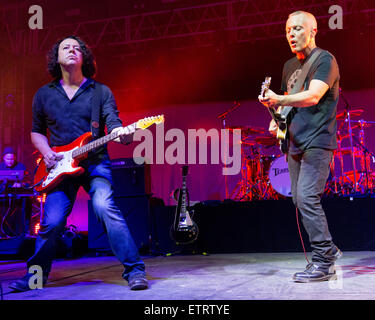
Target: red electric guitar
column 73, row 153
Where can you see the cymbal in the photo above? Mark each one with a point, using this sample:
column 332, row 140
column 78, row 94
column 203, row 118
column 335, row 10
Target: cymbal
column 353, row 113
column 248, row 130
column 250, row 143
column 267, row 140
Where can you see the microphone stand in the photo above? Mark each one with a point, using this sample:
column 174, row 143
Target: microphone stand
column 223, row 117
column 347, row 109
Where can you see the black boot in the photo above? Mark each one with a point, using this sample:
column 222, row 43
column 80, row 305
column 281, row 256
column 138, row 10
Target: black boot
column 22, row 285
column 315, row 273
column 336, row 253
column 138, row 282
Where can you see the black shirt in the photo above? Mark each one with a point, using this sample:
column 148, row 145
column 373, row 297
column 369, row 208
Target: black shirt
column 313, row 126
column 68, row 119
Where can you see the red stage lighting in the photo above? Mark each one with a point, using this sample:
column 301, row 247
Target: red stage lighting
column 36, row 228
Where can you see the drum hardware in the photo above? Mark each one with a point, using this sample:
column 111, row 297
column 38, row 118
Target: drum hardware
column 254, row 183
column 223, row 116
column 346, row 114
column 266, row 177
column 342, row 115
column 259, row 171
column 365, row 173
column 359, row 177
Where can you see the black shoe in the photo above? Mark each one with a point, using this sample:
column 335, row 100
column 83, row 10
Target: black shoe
column 22, row 285
column 314, row 273
column 138, row 282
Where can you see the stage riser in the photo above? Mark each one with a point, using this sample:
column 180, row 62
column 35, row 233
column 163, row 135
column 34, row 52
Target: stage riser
column 234, row 227
column 270, row 226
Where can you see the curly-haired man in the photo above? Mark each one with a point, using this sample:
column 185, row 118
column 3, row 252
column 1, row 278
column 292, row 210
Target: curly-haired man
column 64, row 108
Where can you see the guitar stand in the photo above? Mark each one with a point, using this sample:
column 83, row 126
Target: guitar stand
column 187, row 249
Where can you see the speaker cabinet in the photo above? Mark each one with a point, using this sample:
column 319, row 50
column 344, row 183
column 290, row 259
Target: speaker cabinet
column 136, row 213
column 130, row 179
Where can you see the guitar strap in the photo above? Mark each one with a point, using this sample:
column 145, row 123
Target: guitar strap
column 96, row 109
column 301, row 79
column 284, row 112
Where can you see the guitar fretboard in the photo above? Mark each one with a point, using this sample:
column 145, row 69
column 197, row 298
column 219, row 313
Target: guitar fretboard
column 99, row 142
column 183, row 200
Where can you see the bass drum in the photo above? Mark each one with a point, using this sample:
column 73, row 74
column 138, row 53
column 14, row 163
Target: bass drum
column 279, row 176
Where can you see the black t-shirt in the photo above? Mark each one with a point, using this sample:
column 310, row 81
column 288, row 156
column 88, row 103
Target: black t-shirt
column 67, row 119
column 314, row 126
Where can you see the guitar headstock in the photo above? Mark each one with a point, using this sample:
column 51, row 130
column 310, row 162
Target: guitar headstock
column 146, row 122
column 265, row 86
column 185, row 170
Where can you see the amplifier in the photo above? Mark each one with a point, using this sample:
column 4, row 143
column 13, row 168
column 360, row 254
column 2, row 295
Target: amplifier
column 129, row 178
column 126, row 163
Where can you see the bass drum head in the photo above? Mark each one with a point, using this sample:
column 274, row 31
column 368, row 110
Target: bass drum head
column 279, row 176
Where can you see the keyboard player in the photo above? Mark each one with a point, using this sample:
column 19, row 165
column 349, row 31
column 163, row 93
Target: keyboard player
column 9, row 162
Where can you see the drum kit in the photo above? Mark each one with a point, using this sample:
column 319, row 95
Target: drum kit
column 265, row 174
column 352, row 167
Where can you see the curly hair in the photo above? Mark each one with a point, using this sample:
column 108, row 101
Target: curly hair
column 88, row 65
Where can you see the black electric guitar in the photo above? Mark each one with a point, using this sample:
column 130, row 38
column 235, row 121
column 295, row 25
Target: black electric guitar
column 279, row 116
column 184, row 230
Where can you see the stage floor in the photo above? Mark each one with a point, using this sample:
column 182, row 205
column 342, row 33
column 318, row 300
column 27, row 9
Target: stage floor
column 245, row 276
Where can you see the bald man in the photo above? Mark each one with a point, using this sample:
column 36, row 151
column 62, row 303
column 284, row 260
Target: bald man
column 311, row 137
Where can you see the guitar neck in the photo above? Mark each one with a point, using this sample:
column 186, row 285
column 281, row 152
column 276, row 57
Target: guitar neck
column 278, row 117
column 99, row 142
column 273, row 113
column 183, row 197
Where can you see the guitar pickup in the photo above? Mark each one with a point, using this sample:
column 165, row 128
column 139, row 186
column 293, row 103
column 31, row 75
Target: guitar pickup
column 279, row 117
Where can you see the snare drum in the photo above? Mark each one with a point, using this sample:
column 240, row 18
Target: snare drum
column 279, row 176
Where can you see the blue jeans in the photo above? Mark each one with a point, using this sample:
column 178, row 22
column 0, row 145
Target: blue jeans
column 97, row 181
column 309, row 172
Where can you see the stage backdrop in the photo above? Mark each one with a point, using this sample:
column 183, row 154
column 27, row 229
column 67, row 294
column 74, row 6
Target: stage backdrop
column 206, row 181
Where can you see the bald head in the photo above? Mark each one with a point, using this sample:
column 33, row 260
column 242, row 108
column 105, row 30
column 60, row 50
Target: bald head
column 307, row 17
column 301, row 28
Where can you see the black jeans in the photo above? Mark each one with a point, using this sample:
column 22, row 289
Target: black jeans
column 309, row 172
